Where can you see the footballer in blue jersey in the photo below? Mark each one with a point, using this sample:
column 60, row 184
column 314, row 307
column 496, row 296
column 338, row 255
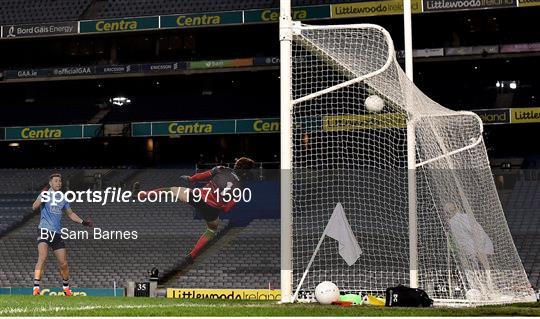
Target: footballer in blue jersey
column 49, row 230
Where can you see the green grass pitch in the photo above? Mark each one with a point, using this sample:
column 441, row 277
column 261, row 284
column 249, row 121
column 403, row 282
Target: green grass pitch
column 104, row 306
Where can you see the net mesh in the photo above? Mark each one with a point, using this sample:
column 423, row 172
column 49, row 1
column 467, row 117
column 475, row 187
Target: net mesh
column 344, row 153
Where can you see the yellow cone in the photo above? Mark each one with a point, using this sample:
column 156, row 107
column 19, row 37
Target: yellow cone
column 376, row 301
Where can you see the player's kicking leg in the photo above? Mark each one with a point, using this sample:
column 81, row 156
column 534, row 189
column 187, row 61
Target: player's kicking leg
column 206, row 237
column 61, row 256
column 210, row 214
column 43, row 250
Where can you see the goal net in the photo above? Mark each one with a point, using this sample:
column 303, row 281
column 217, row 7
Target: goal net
column 413, row 178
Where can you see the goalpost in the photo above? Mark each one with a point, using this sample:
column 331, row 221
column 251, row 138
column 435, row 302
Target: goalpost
column 413, row 178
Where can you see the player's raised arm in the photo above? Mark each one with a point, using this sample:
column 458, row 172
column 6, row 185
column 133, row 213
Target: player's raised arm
column 181, row 192
column 203, row 176
column 37, row 203
column 186, row 182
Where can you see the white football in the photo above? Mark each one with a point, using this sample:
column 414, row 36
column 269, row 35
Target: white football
column 374, row 104
column 326, row 292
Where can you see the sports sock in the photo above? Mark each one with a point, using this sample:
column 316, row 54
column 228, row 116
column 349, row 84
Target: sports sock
column 65, row 283
column 208, row 235
column 37, row 283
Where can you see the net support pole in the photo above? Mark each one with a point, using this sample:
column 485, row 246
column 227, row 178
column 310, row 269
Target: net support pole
column 286, row 35
column 449, row 265
column 407, row 27
column 413, row 225
column 411, row 152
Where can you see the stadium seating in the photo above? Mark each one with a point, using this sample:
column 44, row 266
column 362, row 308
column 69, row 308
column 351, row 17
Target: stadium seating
column 77, row 102
column 165, row 232
column 119, row 177
column 70, row 112
column 119, row 8
column 153, row 108
column 251, row 260
column 525, row 195
column 14, row 211
column 31, row 11
column 521, row 210
column 248, row 257
column 18, row 189
column 29, row 181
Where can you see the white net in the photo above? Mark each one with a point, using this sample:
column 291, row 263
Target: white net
column 344, row 153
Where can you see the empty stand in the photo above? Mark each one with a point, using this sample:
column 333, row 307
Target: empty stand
column 165, row 232
column 18, row 190
column 119, row 8
column 523, row 216
column 245, row 257
column 32, row 11
column 251, row 260
column 16, row 181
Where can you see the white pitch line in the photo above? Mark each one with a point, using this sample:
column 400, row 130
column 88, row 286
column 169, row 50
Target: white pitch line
column 94, row 307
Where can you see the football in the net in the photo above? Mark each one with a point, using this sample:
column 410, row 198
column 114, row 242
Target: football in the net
column 374, row 104
column 326, row 292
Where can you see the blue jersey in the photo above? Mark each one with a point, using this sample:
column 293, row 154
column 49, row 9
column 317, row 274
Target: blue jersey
column 51, row 213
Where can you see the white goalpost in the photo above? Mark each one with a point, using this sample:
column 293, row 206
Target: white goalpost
column 411, row 155
column 285, row 33
column 411, row 176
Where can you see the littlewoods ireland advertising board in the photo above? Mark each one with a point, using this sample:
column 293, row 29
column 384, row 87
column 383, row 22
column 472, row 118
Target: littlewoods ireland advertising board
column 451, row 5
column 229, row 294
column 525, row 115
column 372, row 8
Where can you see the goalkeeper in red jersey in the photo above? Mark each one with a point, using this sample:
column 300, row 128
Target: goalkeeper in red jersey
column 211, row 200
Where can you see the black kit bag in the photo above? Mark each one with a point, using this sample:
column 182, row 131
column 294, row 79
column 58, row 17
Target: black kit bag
column 402, row 296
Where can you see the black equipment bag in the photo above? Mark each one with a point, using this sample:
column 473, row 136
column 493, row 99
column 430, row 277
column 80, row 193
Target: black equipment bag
column 402, row 296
